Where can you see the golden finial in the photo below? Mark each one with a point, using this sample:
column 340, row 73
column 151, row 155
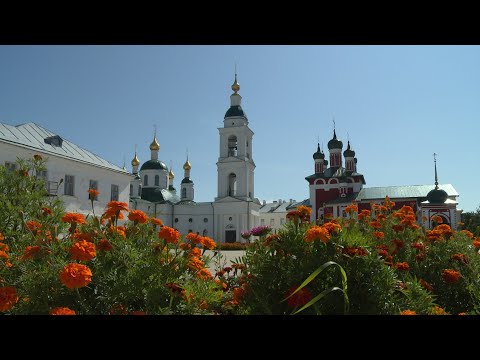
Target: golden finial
column 236, row 85
column 135, row 160
column 187, row 165
column 155, row 145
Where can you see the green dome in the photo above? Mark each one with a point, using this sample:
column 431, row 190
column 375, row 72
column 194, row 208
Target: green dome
column 186, row 181
column 349, row 152
column 318, row 154
column 437, row 196
column 235, row 110
column 334, row 143
column 153, row 165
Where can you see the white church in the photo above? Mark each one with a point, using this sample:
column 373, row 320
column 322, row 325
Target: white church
column 234, row 210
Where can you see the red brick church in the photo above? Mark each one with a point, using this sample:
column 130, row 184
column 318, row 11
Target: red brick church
column 333, row 188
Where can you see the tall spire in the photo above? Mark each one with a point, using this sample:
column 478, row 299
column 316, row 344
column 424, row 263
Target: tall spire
column 334, row 134
column 436, row 177
column 235, row 85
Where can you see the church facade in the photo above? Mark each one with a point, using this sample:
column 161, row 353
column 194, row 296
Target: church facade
column 235, row 208
column 333, row 188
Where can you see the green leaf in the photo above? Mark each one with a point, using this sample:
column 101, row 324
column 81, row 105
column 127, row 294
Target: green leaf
column 318, row 297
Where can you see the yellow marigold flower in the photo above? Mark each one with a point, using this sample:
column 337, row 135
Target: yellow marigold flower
column 408, row 312
column 8, row 298
column 137, row 216
column 74, row 218
column 83, row 251
column 62, row 311
column 317, row 233
column 170, row 235
column 75, row 276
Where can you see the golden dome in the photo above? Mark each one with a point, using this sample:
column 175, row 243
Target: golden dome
column 235, row 85
column 187, row 165
column 171, row 175
column 155, row 145
column 135, row 161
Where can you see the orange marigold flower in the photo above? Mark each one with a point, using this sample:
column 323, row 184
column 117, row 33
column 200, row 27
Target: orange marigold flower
column 476, row 243
column 47, row 211
column 196, row 252
column 239, row 293
column 8, row 298
column 398, row 243
column 73, row 218
column 204, row 274
column 75, row 276
column 62, row 311
column 238, row 266
column 402, row 266
column 3, row 255
column 332, row 227
column 83, row 251
column 82, row 236
column 408, row 312
column 451, row 276
column 30, row 252
column 208, row 243
column 4, row 247
column 185, row 246
column 117, row 206
column 437, row 219
column 379, row 234
column 383, row 253
column 118, row 309
column 138, row 216
column 434, row 235
column 92, row 193
column 355, row 251
column 468, row 233
column 462, row 313
column 300, row 298
column 104, row 245
column 138, row 312
column 195, row 264
column 407, row 210
column 418, row 246
column 460, row 258
column 375, row 224
column 156, row 221
column 194, row 238
column 352, row 208
column 397, row 228
column 317, row 233
column 420, row 257
column 170, row 235
column 426, row 285
column 437, row 310
column 445, row 229
column 408, row 220
column 34, row 226
column 175, row 288
column 2, row 237
column 381, row 217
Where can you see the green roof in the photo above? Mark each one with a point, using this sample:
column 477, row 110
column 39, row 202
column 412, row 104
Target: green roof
column 159, row 195
column 235, row 110
column 412, row 191
column 153, row 165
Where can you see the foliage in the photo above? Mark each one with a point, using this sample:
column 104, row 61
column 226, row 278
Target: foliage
column 471, row 221
column 57, row 263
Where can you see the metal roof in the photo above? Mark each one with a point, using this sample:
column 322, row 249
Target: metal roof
column 33, row 136
column 412, row 191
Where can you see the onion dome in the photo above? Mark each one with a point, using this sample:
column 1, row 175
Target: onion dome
column 171, row 175
column 349, row 152
column 187, row 165
column 135, row 160
column 437, row 196
column 334, row 143
column 153, row 165
column 155, row 145
column 318, row 154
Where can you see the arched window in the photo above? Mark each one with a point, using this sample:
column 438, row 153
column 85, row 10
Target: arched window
column 139, row 190
column 145, row 180
column 157, row 180
column 184, row 193
column 232, row 145
column 232, row 184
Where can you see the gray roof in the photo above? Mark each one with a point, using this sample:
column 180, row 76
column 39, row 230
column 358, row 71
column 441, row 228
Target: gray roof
column 412, row 191
column 33, row 136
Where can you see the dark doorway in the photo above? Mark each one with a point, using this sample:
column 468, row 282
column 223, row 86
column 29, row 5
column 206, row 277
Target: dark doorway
column 230, row 236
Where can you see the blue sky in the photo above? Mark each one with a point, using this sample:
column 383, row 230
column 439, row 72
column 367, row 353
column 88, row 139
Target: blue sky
column 398, row 105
